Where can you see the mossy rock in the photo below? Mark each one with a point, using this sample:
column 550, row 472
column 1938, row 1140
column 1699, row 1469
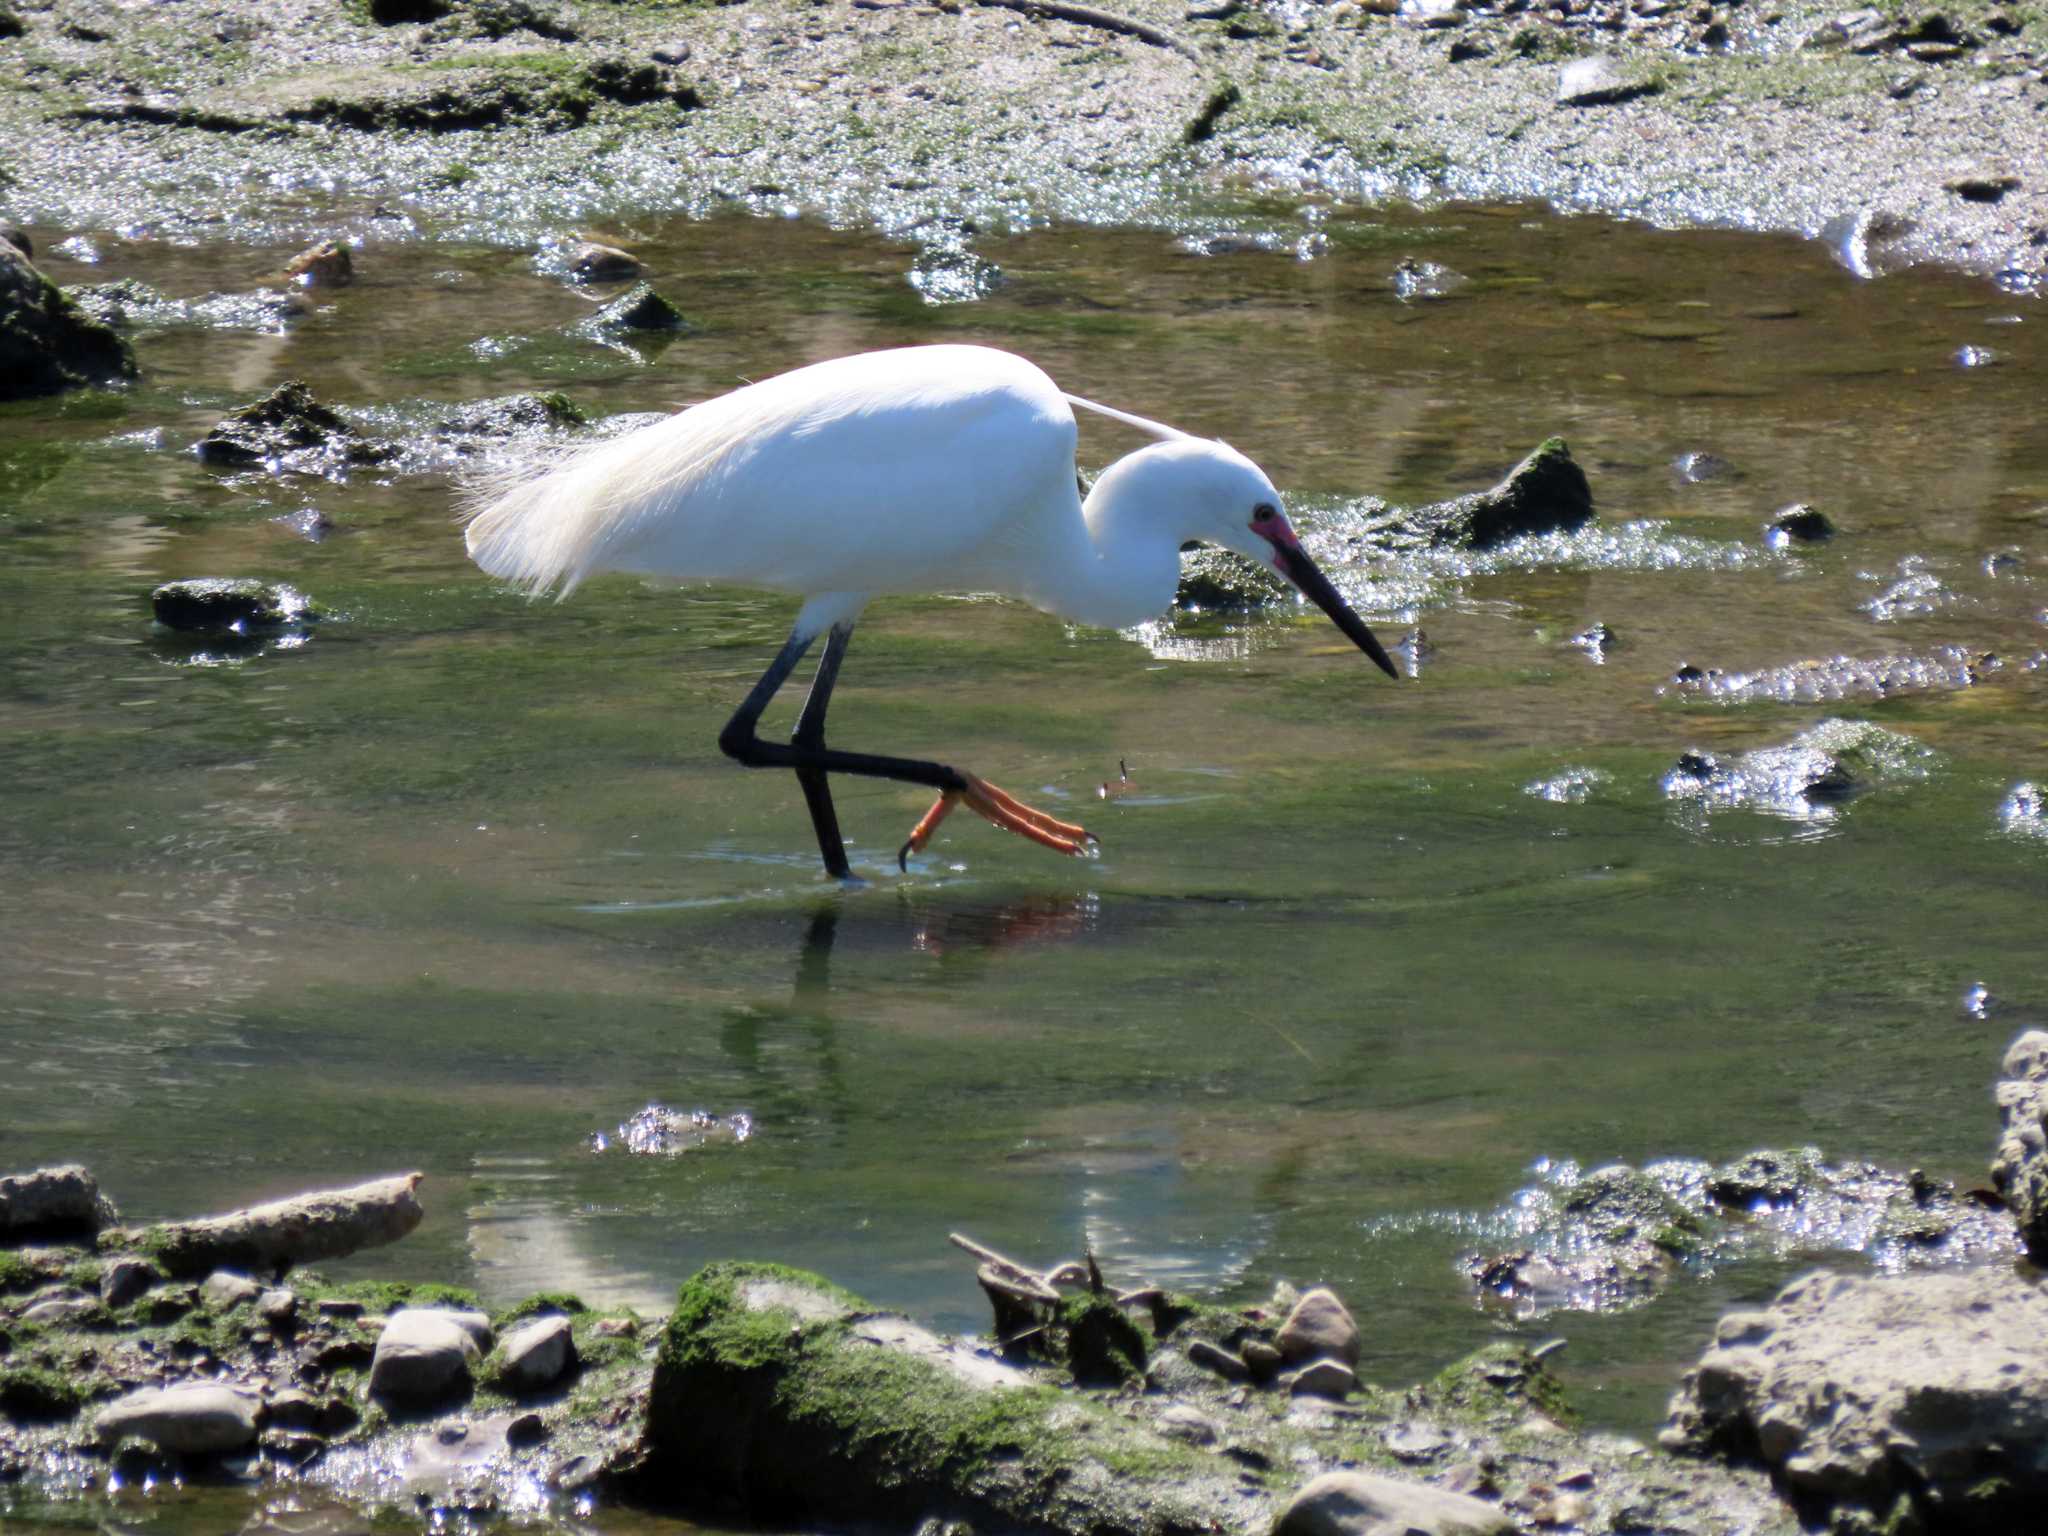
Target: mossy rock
column 780, row 1397
column 47, row 343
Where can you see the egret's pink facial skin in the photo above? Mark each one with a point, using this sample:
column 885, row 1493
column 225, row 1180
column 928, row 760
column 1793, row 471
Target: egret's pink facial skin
column 1278, row 532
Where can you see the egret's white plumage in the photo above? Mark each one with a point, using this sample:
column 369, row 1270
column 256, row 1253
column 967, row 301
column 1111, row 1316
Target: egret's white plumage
column 945, row 468
column 927, row 469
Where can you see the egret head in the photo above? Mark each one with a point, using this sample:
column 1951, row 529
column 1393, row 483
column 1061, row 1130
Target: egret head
column 1219, row 496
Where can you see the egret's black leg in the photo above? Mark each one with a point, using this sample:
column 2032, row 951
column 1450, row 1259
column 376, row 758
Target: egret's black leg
column 808, row 755
column 810, row 733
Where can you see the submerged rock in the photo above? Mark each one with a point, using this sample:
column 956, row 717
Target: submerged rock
column 47, row 343
column 326, row 265
column 1545, row 493
column 640, row 308
column 1612, row 1239
column 1946, row 668
column 1798, row 524
column 237, row 606
column 130, row 304
column 594, row 263
column 1912, row 1401
column 1808, row 778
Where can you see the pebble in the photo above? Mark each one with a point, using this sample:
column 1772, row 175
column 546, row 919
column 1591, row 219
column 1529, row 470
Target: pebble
column 1261, row 1359
column 537, row 1352
column 1218, row 1359
column 125, row 1279
column 192, row 1419
column 278, row 1307
column 1319, row 1325
column 1322, row 1378
column 1191, row 1424
column 1362, row 1504
column 225, row 1288
column 61, row 1308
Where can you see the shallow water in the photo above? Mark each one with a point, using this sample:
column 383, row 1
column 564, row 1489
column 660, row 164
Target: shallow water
column 462, row 882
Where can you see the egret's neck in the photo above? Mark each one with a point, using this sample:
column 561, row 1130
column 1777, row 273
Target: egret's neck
column 1131, row 567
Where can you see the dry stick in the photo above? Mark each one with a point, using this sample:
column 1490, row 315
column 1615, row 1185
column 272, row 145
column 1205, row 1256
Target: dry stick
column 1008, row 1268
column 1108, row 21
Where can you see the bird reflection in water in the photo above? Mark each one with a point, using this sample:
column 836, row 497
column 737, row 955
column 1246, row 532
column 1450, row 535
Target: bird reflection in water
column 940, row 930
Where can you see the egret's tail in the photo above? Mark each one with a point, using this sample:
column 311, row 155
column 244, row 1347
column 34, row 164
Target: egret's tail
column 547, row 525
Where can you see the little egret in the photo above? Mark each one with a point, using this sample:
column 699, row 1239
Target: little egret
column 925, row 469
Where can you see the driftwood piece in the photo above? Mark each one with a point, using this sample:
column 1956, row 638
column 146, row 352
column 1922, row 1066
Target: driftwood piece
column 1025, row 1281
column 326, row 1224
column 1106, row 21
column 46, row 1200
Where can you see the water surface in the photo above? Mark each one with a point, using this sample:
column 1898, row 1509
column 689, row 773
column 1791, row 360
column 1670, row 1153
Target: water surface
column 462, row 881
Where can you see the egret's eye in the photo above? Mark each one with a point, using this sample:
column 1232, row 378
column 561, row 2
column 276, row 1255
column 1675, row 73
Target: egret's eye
column 1264, row 514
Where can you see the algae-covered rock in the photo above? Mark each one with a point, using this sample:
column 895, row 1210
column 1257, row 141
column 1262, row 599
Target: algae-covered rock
column 1545, row 493
column 47, row 344
column 640, row 308
column 229, row 606
column 289, row 430
column 778, row 1394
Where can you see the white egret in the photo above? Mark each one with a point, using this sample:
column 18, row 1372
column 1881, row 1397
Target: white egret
column 925, row 469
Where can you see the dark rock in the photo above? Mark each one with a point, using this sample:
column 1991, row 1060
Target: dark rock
column 289, row 430
column 640, row 308
column 1545, row 493
column 1800, row 524
column 627, row 81
column 1218, row 1359
column 526, row 1429
column 501, row 18
column 47, row 344
column 1216, row 581
column 14, row 234
column 219, row 605
column 391, row 13
column 591, row 262
column 1595, row 640
column 126, row 1279
column 1203, row 124
column 1103, row 1346
column 1262, row 1359
column 1983, row 189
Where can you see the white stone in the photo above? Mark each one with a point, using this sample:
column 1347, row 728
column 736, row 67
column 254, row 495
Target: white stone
column 423, row 1355
column 1362, row 1504
column 197, row 1418
column 537, row 1352
column 226, row 1288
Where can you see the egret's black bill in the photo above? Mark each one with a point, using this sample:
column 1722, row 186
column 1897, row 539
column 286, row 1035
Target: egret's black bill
column 1315, row 586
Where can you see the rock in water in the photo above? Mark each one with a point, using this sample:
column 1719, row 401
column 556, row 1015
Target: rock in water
column 640, row 308
column 46, row 343
column 223, row 605
column 287, row 426
column 1319, row 1326
column 1362, row 1504
column 423, row 1356
column 2019, row 1171
column 195, row 1419
column 1914, row 1401
column 326, row 265
column 1545, row 493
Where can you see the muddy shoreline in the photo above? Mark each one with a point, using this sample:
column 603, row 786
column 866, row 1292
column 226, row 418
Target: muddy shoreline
column 1896, row 137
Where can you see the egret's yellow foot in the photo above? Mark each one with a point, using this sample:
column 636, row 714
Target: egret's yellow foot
column 999, row 808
